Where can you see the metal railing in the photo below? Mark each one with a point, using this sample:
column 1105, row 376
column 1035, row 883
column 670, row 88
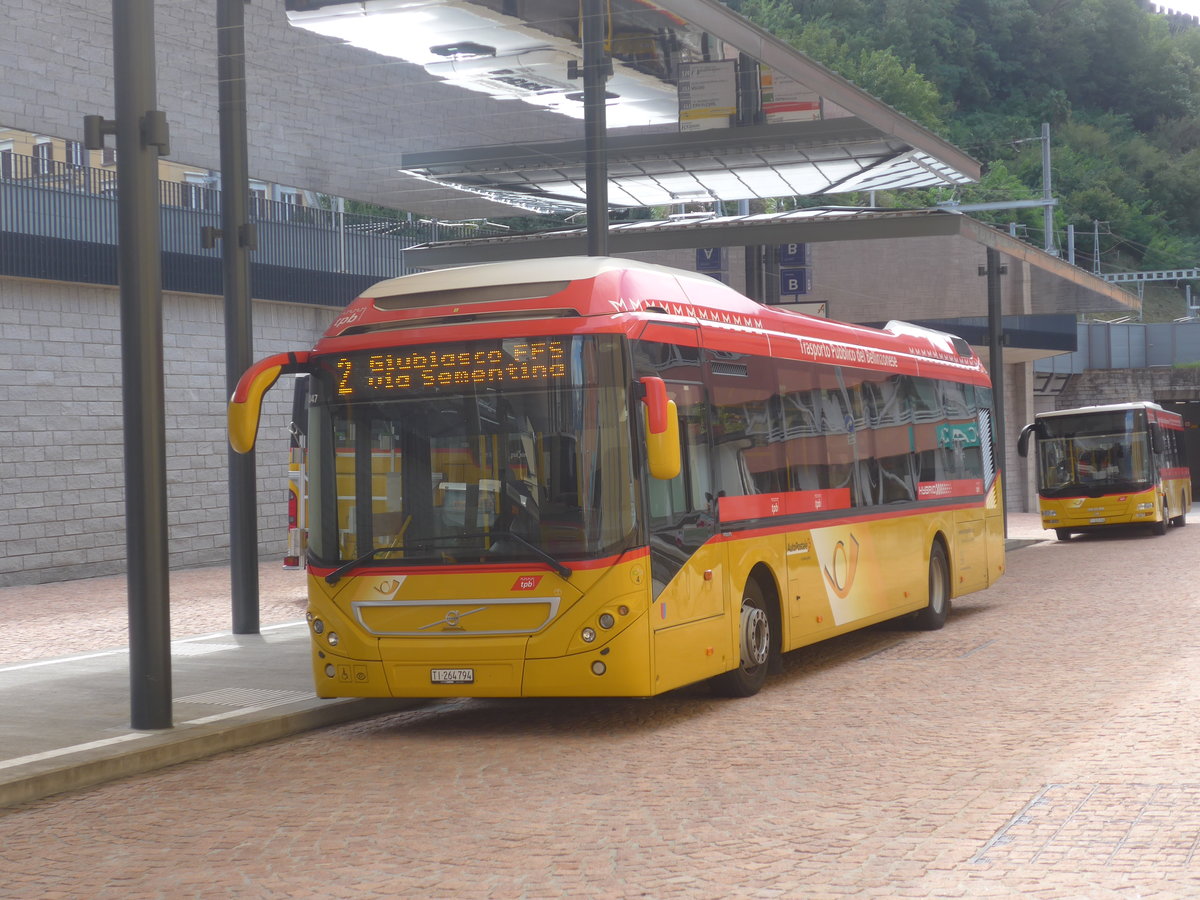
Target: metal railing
column 59, row 221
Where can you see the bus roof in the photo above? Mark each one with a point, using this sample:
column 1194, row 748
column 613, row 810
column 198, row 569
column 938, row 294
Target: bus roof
column 516, row 272
column 1107, row 407
column 574, row 293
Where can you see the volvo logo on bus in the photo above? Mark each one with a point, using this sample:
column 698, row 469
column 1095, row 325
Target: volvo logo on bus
column 451, row 619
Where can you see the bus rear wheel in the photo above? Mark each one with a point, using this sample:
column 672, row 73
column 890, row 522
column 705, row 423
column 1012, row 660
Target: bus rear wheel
column 1063, row 534
column 933, row 616
column 755, row 643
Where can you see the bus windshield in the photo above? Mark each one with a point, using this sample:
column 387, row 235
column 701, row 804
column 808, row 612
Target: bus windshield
column 510, row 450
column 1101, row 451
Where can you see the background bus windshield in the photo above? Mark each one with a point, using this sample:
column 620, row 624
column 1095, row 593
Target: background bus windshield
column 455, row 467
column 1107, row 451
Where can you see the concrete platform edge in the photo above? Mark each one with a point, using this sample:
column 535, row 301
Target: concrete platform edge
column 37, row 780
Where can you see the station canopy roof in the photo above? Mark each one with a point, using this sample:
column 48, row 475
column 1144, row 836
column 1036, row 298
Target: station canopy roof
column 671, row 109
column 1056, row 285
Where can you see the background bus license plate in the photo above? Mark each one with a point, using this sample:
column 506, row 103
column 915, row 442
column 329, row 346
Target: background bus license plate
column 452, row 676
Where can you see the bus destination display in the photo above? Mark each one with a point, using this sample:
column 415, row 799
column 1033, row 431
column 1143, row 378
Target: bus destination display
column 508, row 363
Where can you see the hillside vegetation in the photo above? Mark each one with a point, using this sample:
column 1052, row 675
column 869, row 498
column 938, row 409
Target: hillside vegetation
column 1118, row 84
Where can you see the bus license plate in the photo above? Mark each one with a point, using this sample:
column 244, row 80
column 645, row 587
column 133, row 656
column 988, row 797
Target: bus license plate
column 452, row 676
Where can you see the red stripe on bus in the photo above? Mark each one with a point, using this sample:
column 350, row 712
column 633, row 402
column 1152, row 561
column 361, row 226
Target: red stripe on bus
column 967, row 487
column 762, row 506
column 767, row 530
column 487, row 568
column 786, row 503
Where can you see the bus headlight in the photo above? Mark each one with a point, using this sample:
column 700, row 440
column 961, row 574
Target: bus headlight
column 333, row 639
column 588, row 635
column 607, row 620
column 1145, row 506
column 598, row 668
column 318, row 626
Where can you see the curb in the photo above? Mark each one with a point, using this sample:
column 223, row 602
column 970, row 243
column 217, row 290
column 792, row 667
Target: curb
column 158, row 749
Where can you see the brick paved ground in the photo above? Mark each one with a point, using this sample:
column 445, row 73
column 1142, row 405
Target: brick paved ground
column 72, row 617
column 1044, row 744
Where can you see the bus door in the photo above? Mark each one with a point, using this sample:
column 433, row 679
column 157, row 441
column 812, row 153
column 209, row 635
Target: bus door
column 965, row 445
column 687, row 567
column 682, row 517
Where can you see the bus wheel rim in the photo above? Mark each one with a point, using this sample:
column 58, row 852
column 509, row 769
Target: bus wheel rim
column 937, row 587
column 756, row 636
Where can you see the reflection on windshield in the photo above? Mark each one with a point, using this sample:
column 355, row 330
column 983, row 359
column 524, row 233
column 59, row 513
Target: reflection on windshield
column 477, row 474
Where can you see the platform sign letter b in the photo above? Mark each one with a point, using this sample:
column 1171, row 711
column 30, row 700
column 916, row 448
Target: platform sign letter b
column 791, row 255
column 793, row 281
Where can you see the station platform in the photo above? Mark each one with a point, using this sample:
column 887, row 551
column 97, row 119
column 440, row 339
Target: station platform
column 65, row 686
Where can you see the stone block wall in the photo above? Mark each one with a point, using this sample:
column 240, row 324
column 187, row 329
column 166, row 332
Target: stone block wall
column 62, row 470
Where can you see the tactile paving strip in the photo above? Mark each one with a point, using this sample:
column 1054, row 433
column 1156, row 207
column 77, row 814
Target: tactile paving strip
column 239, row 697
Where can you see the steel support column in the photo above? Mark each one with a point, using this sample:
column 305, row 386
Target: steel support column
column 141, row 137
column 595, row 129
column 237, row 238
column 996, row 368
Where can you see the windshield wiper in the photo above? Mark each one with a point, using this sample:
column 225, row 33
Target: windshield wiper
column 538, row 551
column 336, row 575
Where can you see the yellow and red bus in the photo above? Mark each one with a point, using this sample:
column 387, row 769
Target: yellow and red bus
column 1118, row 464
column 597, row 477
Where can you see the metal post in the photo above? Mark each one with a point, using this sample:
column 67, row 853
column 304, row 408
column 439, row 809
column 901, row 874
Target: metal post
column 1047, row 193
column 141, row 137
column 595, row 131
column 236, row 240
column 341, row 218
column 996, row 369
column 755, row 275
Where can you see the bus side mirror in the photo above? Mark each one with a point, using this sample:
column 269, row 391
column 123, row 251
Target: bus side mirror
column 1023, row 440
column 662, row 429
column 245, row 406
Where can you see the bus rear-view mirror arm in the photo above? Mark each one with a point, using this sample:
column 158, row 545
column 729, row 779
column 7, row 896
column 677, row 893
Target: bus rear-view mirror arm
column 1023, row 440
column 245, row 406
column 662, row 429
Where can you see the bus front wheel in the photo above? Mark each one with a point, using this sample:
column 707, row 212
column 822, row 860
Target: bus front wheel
column 1063, row 534
column 755, row 643
column 933, row 616
column 1160, row 527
